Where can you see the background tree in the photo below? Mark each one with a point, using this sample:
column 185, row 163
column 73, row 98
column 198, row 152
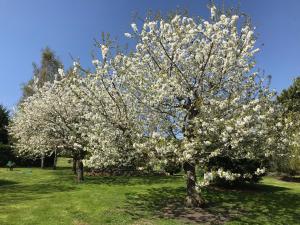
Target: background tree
column 290, row 99
column 4, row 120
column 45, row 72
column 5, row 150
column 51, row 119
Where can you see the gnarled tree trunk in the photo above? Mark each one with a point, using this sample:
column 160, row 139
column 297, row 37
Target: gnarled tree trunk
column 193, row 198
column 43, row 161
column 55, row 160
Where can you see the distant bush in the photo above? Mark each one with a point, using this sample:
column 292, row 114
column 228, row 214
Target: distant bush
column 7, row 154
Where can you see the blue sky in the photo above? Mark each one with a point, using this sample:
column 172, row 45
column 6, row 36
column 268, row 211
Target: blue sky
column 70, row 26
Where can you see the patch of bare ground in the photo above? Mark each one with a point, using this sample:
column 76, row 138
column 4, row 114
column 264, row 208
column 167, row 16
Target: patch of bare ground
column 195, row 215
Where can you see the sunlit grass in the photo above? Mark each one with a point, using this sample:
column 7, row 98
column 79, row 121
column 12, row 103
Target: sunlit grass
column 48, row 197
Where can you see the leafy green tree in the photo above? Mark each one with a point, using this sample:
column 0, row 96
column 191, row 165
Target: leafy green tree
column 290, row 99
column 4, row 120
column 47, row 71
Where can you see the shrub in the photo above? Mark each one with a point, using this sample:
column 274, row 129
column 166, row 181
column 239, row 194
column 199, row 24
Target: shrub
column 6, row 154
column 172, row 167
column 247, row 168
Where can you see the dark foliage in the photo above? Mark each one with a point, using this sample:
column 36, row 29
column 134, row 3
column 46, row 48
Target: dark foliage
column 4, row 120
column 7, row 154
column 172, row 167
column 290, row 97
column 241, row 166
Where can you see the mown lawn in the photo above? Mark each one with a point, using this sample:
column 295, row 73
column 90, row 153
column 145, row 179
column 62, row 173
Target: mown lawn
column 35, row 196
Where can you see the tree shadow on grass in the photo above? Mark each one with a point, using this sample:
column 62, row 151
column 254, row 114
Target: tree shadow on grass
column 290, row 179
column 262, row 204
column 131, row 180
column 257, row 204
column 168, row 202
column 58, row 168
column 7, row 183
column 15, row 193
column 65, row 174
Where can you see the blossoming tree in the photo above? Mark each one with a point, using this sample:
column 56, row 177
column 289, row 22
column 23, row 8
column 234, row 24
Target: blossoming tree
column 116, row 122
column 52, row 119
column 188, row 90
column 196, row 81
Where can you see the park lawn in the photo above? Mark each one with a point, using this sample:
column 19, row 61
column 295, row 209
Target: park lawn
column 47, row 197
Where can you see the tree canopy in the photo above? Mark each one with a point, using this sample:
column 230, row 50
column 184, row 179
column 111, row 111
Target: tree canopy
column 189, row 90
column 290, row 97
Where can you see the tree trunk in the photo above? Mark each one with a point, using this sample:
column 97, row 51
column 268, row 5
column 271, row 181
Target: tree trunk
column 43, row 161
column 79, row 170
column 193, row 198
column 55, row 160
column 74, row 166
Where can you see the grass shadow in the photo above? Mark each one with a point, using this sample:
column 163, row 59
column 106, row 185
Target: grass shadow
column 290, row 179
column 256, row 204
column 14, row 192
column 168, row 202
column 249, row 204
column 130, row 180
column 249, row 188
column 7, row 182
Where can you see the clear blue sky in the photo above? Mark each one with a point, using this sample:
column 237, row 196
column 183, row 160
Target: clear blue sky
column 69, row 27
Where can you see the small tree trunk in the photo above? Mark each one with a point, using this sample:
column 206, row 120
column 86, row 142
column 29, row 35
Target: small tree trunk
column 74, row 166
column 43, row 161
column 79, row 170
column 55, row 160
column 193, row 198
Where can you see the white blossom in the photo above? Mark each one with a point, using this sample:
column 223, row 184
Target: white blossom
column 134, row 27
column 128, row 35
column 104, row 51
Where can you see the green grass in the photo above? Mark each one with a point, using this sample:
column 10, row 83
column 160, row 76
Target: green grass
column 47, row 197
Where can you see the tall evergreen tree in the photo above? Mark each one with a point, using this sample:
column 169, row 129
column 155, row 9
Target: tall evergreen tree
column 4, row 120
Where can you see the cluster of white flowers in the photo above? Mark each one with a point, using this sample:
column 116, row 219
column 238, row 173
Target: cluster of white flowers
column 211, row 176
column 227, row 175
column 260, row 171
